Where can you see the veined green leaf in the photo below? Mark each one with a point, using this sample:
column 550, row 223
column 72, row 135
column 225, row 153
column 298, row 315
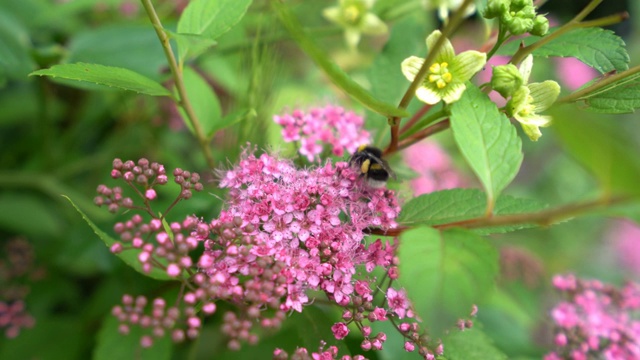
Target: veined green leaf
column 600, row 49
column 339, row 77
column 622, row 96
column 449, row 206
column 130, row 257
column 449, row 272
column 210, row 19
column 203, row 100
column 111, row 76
column 487, row 140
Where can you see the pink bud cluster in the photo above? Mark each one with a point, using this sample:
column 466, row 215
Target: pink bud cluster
column 142, row 177
column 159, row 245
column 158, row 322
column 332, row 125
column 596, row 320
column 16, row 269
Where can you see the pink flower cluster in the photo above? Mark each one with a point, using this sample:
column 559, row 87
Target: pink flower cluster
column 284, row 234
column 332, row 125
column 16, row 271
column 596, row 320
column 286, row 231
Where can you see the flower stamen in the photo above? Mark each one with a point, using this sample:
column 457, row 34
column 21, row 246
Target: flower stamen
column 440, row 74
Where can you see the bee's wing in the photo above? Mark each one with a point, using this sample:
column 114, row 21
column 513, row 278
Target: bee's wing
column 385, row 165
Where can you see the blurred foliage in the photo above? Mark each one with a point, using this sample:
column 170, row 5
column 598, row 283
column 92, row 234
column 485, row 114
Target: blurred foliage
column 58, row 137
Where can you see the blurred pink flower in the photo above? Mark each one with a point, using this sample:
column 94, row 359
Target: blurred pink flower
column 573, row 73
column 625, row 236
column 434, row 168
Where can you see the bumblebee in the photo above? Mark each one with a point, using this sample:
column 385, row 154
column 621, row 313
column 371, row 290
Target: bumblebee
column 373, row 168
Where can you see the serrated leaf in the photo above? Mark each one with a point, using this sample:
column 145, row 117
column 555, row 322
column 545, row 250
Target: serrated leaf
column 113, row 345
column 123, row 45
column 487, row 140
column 209, row 19
column 471, row 344
column 335, row 73
column 445, row 273
column 130, row 257
column 453, row 205
column 110, row 76
column 620, row 97
column 604, row 148
column 203, row 100
column 600, row 49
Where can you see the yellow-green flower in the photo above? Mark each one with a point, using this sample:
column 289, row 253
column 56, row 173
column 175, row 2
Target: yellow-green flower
column 355, row 18
column 448, row 73
column 531, row 99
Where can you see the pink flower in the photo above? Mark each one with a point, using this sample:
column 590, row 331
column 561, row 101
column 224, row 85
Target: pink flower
column 340, row 330
column 324, row 127
column 625, row 236
column 398, row 301
column 573, row 73
column 596, row 318
column 433, row 166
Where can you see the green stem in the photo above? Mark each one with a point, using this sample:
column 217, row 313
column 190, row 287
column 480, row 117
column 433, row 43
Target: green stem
column 176, row 73
column 333, row 71
column 542, row 218
column 503, row 36
column 394, row 121
column 606, row 81
column 420, row 125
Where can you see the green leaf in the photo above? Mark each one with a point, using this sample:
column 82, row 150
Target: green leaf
column 445, row 273
column 620, row 97
column 487, row 140
column 113, row 345
column 203, row 100
column 130, row 257
column 57, row 338
column 15, row 61
column 210, row 19
column 471, row 344
column 449, row 206
column 606, row 149
column 337, row 76
column 191, row 45
column 106, row 75
column 124, row 45
column 19, row 211
column 601, row 49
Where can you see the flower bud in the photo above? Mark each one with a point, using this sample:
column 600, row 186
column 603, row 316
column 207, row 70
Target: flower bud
column 506, row 79
column 519, row 25
column 519, row 4
column 540, row 26
column 495, row 8
column 527, row 12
